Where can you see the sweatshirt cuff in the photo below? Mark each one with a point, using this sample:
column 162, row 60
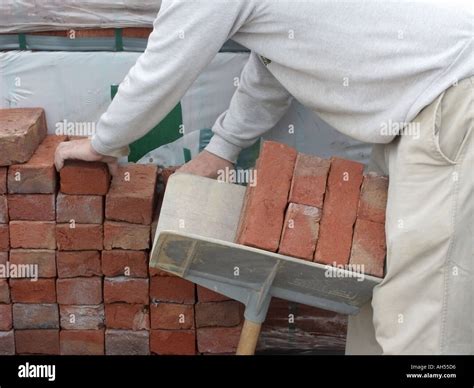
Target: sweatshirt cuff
column 100, row 148
column 222, row 148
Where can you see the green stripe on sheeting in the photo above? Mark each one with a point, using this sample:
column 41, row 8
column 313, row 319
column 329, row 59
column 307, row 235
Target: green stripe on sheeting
column 113, row 91
column 22, row 41
column 118, row 40
column 25, row 41
column 205, row 136
column 247, row 157
column 187, row 155
column 166, row 131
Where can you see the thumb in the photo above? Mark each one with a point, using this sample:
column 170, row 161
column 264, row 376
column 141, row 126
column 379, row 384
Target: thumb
column 113, row 167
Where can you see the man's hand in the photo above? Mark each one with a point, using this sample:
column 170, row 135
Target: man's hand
column 206, row 164
column 81, row 150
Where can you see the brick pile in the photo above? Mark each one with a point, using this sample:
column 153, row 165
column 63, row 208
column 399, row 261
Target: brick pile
column 89, row 236
column 314, row 209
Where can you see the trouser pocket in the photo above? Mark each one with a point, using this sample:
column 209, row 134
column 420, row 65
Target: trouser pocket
column 452, row 126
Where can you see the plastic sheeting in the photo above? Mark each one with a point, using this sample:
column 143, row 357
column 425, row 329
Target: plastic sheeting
column 74, row 89
column 42, row 15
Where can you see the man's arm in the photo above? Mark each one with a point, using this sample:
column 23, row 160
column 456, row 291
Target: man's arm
column 186, row 36
column 259, row 102
column 257, row 105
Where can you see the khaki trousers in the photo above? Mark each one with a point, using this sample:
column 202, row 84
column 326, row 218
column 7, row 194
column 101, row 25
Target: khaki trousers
column 424, row 305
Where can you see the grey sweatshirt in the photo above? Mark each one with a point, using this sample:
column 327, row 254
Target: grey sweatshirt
column 360, row 65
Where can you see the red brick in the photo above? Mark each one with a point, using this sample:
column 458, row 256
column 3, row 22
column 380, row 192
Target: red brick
column 35, row 316
column 82, row 209
column 3, row 209
column 133, row 187
column 80, row 237
column 339, row 212
column 368, row 247
column 82, row 291
column 78, row 263
column 173, row 342
column 309, row 180
column 7, row 343
column 127, row 316
column 300, row 231
column 5, row 317
column 33, row 234
column 118, row 262
column 32, row 207
column 158, row 272
column 3, row 259
column 300, row 329
column 127, row 342
column 125, row 289
column 4, row 291
column 4, row 237
column 126, row 236
column 44, row 341
column 21, row 131
column 223, row 314
column 172, row 289
column 262, row 217
column 172, row 316
column 82, row 342
column 44, row 259
column 206, row 295
column 218, row 340
column 38, row 175
column 87, row 178
column 82, row 317
column 373, row 198
column 28, row 291
column 3, row 180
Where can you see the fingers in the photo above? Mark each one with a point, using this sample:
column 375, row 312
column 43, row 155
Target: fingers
column 205, row 165
column 58, row 162
column 81, row 150
column 59, row 157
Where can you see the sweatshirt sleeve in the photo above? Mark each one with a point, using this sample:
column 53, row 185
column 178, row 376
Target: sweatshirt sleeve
column 185, row 38
column 257, row 105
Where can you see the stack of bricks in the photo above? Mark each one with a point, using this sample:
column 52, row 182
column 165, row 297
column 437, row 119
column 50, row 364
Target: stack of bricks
column 368, row 243
column 218, row 322
column 318, row 210
column 129, row 207
column 88, row 236
column 315, row 210
column 7, row 341
column 185, row 317
column 79, row 240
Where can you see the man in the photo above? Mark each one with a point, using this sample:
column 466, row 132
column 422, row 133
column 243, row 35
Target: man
column 369, row 69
